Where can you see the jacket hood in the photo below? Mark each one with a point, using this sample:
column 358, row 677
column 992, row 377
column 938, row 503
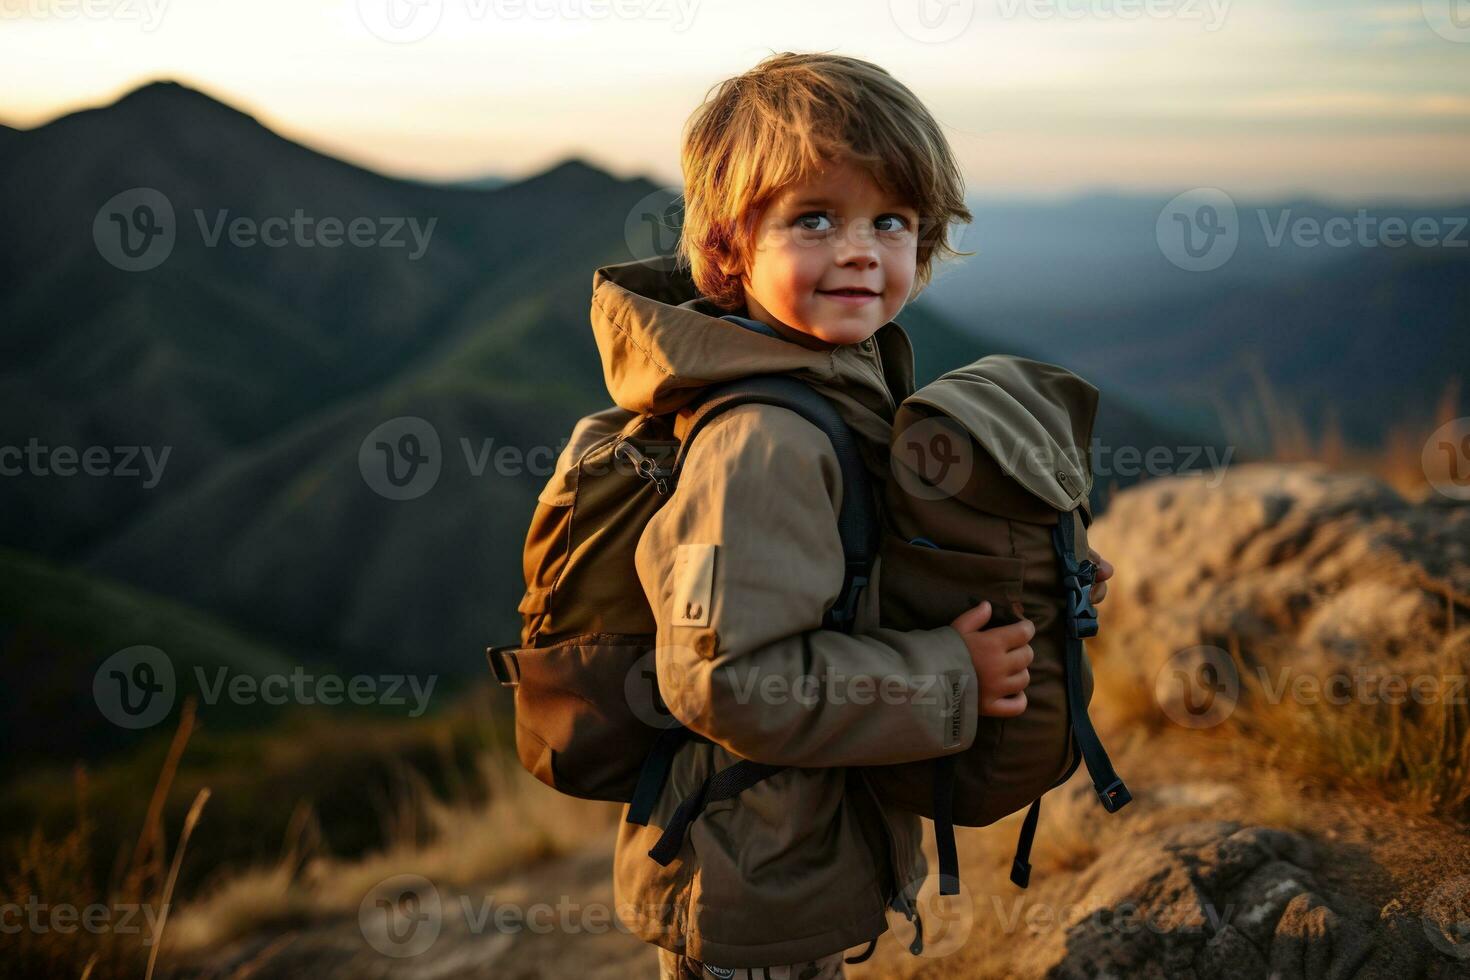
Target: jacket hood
column 661, row 342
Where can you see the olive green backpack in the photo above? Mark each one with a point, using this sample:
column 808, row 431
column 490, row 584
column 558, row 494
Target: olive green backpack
column 987, row 499
column 589, row 720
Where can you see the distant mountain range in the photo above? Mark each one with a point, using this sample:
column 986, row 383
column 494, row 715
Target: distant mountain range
column 1372, row 331
column 264, row 370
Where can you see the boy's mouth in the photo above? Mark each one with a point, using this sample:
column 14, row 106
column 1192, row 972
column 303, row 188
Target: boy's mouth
column 855, row 294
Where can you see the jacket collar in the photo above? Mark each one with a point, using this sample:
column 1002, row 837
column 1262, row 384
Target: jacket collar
column 661, row 342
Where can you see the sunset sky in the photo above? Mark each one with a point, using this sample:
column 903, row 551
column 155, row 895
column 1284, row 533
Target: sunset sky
column 1349, row 101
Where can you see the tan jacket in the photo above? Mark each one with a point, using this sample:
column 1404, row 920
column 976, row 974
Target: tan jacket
column 739, row 566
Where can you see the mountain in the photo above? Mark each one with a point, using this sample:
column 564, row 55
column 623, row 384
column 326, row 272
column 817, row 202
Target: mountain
column 59, row 624
column 489, row 182
column 223, row 344
column 1368, row 336
column 275, row 375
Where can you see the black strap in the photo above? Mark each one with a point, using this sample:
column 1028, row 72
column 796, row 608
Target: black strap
column 858, row 522
column 655, row 772
column 1080, row 619
column 1021, row 863
column 1081, row 622
column 872, row 945
column 722, row 785
column 949, row 861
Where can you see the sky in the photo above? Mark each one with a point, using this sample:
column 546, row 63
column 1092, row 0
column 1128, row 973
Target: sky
column 1350, row 101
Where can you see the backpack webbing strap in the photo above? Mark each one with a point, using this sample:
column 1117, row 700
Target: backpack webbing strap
column 718, row 786
column 949, row 861
column 1021, row 863
column 858, row 522
column 1080, row 619
column 872, row 945
column 1081, row 622
column 858, row 527
column 655, row 772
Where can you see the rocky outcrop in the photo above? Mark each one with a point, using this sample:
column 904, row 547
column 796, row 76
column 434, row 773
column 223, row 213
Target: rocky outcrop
column 1289, row 564
column 1218, row 901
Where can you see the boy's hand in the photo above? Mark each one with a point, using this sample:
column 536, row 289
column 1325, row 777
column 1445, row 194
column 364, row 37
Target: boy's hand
column 1001, row 656
column 1099, row 580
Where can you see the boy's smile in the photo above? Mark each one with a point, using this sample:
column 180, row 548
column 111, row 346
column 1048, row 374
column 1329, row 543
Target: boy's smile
column 834, row 259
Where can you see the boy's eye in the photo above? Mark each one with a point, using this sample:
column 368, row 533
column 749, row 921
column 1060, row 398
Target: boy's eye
column 801, row 221
column 888, row 223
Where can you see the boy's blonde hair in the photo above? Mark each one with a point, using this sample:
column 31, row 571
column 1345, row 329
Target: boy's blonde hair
column 779, row 123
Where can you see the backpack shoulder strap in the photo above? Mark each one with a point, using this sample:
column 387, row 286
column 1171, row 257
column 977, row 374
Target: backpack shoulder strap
column 858, row 526
column 858, row 520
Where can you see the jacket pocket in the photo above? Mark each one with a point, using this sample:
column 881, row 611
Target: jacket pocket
column 923, row 588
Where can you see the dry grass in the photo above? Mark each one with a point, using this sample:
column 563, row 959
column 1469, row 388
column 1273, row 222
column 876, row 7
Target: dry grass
column 74, row 926
column 1413, row 750
column 1273, row 420
column 452, row 842
column 491, row 821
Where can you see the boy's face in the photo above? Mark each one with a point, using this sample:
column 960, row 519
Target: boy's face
column 815, row 240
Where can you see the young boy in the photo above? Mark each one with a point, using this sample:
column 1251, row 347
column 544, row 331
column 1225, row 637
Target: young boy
column 817, row 192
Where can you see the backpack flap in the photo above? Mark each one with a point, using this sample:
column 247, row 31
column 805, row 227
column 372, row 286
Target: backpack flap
column 1033, row 419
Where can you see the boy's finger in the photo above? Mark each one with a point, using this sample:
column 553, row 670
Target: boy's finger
column 1015, row 683
column 972, row 619
column 1007, row 707
column 1020, row 658
column 1015, row 634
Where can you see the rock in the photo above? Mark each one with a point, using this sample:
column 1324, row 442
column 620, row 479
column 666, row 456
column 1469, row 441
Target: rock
column 1212, row 900
column 1291, row 565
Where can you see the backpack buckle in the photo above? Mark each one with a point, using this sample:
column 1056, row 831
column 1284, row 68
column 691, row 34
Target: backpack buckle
column 504, row 664
column 646, row 466
column 1081, row 613
column 844, row 612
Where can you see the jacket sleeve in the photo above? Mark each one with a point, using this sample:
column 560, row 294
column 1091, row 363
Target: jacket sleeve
column 740, row 564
